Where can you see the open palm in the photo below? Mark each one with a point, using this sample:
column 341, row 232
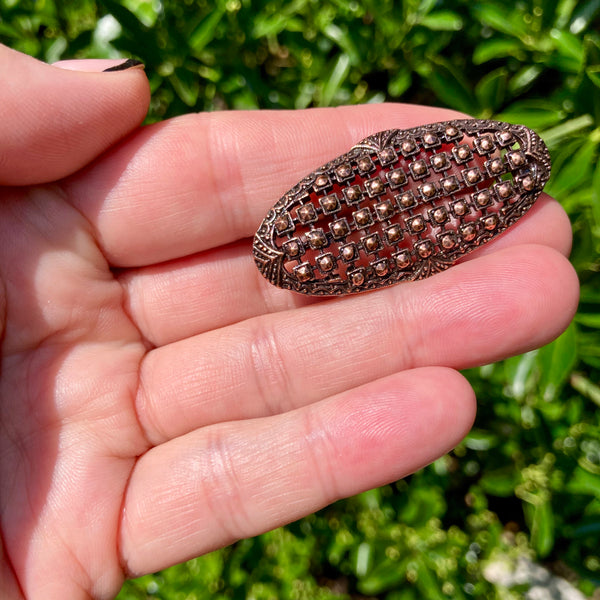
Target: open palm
column 158, row 398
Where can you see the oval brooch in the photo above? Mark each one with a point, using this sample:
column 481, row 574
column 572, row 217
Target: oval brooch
column 401, row 205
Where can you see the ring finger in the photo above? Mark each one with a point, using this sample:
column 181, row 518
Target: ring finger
column 475, row 313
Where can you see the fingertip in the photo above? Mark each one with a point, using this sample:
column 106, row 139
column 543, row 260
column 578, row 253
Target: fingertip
column 61, row 118
column 505, row 303
column 400, row 423
column 559, row 286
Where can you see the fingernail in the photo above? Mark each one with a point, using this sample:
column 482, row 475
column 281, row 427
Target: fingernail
column 130, row 63
column 98, row 65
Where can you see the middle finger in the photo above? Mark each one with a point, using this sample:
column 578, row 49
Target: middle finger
column 174, row 300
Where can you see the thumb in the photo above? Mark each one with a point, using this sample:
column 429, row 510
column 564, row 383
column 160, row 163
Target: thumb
column 56, row 120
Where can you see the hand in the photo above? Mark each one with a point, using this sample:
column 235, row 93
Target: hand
column 159, row 399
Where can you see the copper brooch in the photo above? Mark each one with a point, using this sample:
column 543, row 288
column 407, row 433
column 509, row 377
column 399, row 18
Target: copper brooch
column 401, row 205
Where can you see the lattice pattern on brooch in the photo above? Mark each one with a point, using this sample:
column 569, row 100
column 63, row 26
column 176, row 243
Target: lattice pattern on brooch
column 401, row 205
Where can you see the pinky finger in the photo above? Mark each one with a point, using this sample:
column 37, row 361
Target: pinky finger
column 217, row 484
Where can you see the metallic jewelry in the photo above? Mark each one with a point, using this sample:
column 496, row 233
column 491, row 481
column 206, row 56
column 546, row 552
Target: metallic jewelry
column 401, row 205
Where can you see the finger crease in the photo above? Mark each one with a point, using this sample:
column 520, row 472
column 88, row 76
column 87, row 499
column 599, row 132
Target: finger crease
column 271, row 379
column 222, row 489
column 320, row 447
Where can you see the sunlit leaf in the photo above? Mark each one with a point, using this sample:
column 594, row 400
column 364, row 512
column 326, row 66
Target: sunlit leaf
column 186, row 85
column 340, row 71
column 442, row 20
column 556, row 135
column 385, row 575
column 569, row 46
column 491, row 90
column 583, row 15
column 205, row 31
column 496, row 48
column 478, row 439
column 577, row 170
column 541, row 523
column 344, row 41
column 503, row 18
column 524, row 79
column 556, row 361
column 500, row 482
column 584, row 482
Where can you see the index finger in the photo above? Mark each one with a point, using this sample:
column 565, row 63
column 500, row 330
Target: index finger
column 201, row 181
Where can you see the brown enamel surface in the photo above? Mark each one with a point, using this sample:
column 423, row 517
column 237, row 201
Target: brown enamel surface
column 401, row 205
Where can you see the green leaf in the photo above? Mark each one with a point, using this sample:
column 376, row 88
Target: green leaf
column 8, row 30
column 128, row 21
column 556, row 135
column 450, row 87
column 425, row 6
column 144, row 10
column 273, row 24
column 505, row 19
column 564, row 10
column 400, row 83
column 555, row 362
column 585, row 387
column 363, row 559
column 583, row 15
column 576, row 171
column 588, row 320
column 583, row 482
column 520, row 373
column 479, row 439
column 385, row 575
column 537, row 114
column 344, row 41
column 500, row 482
column 593, row 73
column 205, row 31
column 495, row 48
column 442, row 20
column 595, row 199
column 427, row 582
column 186, row 85
column 541, row 525
column 570, row 47
column 335, row 80
column 491, row 89
column 524, row 78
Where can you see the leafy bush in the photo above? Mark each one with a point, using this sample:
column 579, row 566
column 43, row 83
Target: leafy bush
column 527, row 478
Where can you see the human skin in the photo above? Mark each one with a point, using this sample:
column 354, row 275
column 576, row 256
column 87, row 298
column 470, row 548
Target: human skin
column 158, row 398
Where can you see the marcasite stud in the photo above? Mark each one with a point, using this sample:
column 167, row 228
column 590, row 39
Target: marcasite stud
column 401, row 205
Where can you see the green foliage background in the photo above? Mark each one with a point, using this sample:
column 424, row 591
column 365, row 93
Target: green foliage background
column 526, row 481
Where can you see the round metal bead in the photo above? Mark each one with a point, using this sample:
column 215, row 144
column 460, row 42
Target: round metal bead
column 357, row 278
column 348, row 252
column 402, row 259
column 490, row 222
column 448, row 242
column 528, row 183
column 381, row 268
column 468, row 232
column 460, row 208
column 504, row 190
column 439, row 161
